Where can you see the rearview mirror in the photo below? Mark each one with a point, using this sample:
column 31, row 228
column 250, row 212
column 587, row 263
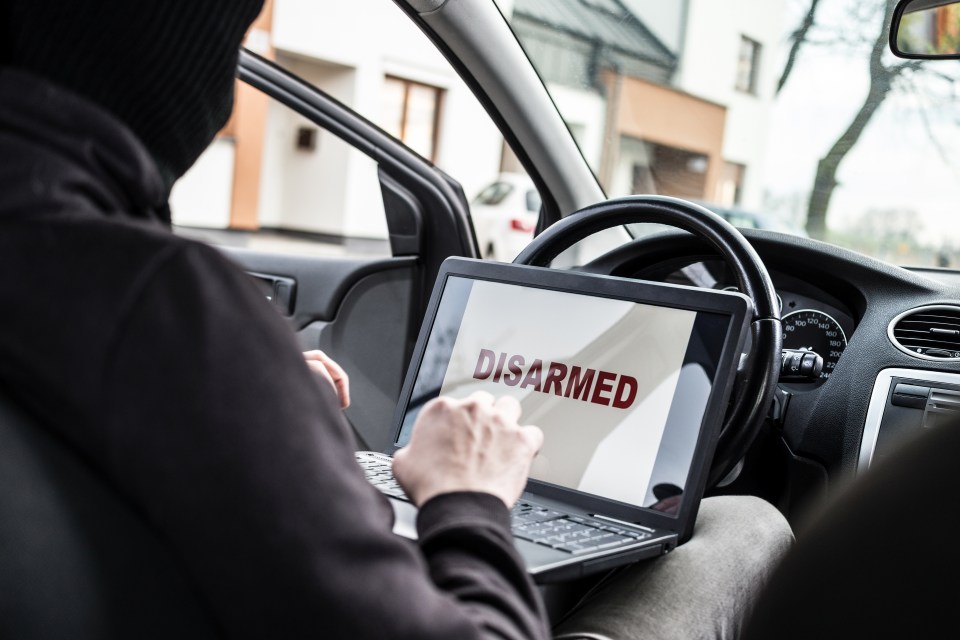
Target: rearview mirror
column 926, row 29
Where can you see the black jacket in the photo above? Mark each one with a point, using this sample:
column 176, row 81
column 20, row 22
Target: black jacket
column 159, row 362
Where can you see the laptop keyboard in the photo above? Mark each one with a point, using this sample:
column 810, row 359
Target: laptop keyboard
column 379, row 471
column 535, row 523
column 566, row 532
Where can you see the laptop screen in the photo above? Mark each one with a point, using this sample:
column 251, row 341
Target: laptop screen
column 619, row 388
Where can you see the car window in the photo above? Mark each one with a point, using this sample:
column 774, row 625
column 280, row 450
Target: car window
column 273, row 180
column 280, row 183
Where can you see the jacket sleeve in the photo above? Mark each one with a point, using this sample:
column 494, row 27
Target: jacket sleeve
column 241, row 459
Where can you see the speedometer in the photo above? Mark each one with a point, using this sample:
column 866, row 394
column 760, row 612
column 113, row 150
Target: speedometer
column 811, row 330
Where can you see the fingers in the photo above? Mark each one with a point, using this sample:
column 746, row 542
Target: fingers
column 509, row 407
column 469, row 444
column 335, row 369
column 534, row 437
column 483, row 398
column 318, row 368
column 509, row 410
column 333, row 372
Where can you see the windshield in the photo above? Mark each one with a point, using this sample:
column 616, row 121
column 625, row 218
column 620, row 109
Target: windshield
column 790, row 115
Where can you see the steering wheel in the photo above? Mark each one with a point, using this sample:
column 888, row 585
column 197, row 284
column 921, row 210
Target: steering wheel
column 757, row 378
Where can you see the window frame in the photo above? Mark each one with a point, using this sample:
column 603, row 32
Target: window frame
column 755, row 49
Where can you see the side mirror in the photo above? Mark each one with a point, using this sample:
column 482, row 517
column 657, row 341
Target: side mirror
column 926, row 29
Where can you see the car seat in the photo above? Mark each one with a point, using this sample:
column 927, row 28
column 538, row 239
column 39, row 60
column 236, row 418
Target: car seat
column 76, row 561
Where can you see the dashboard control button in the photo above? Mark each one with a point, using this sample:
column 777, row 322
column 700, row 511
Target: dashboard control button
column 800, row 365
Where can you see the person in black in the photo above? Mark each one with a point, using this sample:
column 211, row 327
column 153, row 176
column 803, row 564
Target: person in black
column 160, row 363
column 877, row 560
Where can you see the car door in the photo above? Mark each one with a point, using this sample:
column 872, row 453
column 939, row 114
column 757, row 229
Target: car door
column 365, row 310
column 362, row 308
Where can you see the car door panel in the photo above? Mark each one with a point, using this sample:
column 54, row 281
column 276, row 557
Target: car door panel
column 365, row 312
column 362, row 313
column 370, row 337
column 321, row 282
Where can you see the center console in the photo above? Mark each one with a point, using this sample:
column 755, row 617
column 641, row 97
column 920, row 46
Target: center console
column 904, row 403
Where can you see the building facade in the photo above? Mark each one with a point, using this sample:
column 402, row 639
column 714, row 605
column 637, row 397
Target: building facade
column 661, row 97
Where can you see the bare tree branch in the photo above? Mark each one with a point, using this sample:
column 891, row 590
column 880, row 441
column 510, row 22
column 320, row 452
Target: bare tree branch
column 886, row 75
column 909, row 65
column 931, row 135
column 881, row 82
column 797, row 39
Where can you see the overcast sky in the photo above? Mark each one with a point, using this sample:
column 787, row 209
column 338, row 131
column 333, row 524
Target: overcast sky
column 895, row 165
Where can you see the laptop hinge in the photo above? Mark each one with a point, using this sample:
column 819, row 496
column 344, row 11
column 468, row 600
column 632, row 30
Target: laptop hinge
column 622, row 522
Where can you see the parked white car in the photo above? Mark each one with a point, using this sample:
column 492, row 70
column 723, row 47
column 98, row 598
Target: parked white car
column 505, row 216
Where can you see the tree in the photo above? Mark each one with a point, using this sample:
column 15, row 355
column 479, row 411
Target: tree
column 884, row 74
column 798, row 38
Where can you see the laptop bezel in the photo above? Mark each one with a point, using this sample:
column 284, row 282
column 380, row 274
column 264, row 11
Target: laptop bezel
column 733, row 304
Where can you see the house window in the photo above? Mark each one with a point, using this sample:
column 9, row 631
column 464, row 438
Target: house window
column 410, row 112
column 748, row 64
column 664, row 170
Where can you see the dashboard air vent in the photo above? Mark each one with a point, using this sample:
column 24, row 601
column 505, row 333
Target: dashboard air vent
column 931, row 333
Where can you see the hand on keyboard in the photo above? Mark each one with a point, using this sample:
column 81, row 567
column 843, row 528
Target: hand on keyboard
column 474, row 444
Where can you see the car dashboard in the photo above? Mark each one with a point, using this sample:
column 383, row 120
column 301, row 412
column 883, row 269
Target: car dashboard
column 844, row 306
column 813, row 320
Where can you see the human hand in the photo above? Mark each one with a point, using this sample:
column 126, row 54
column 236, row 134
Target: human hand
column 474, row 444
column 321, row 363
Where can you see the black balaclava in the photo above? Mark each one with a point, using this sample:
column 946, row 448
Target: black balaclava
column 165, row 68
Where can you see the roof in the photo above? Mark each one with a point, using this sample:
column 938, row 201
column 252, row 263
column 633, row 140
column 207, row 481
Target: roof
column 606, row 21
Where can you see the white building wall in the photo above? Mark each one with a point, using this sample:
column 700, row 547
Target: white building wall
column 709, row 70
column 335, row 191
column 332, row 189
column 202, row 197
column 383, row 42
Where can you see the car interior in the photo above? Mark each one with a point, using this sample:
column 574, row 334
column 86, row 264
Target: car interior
column 887, row 336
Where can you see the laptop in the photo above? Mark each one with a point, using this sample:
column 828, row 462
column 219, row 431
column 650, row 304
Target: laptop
column 628, row 380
